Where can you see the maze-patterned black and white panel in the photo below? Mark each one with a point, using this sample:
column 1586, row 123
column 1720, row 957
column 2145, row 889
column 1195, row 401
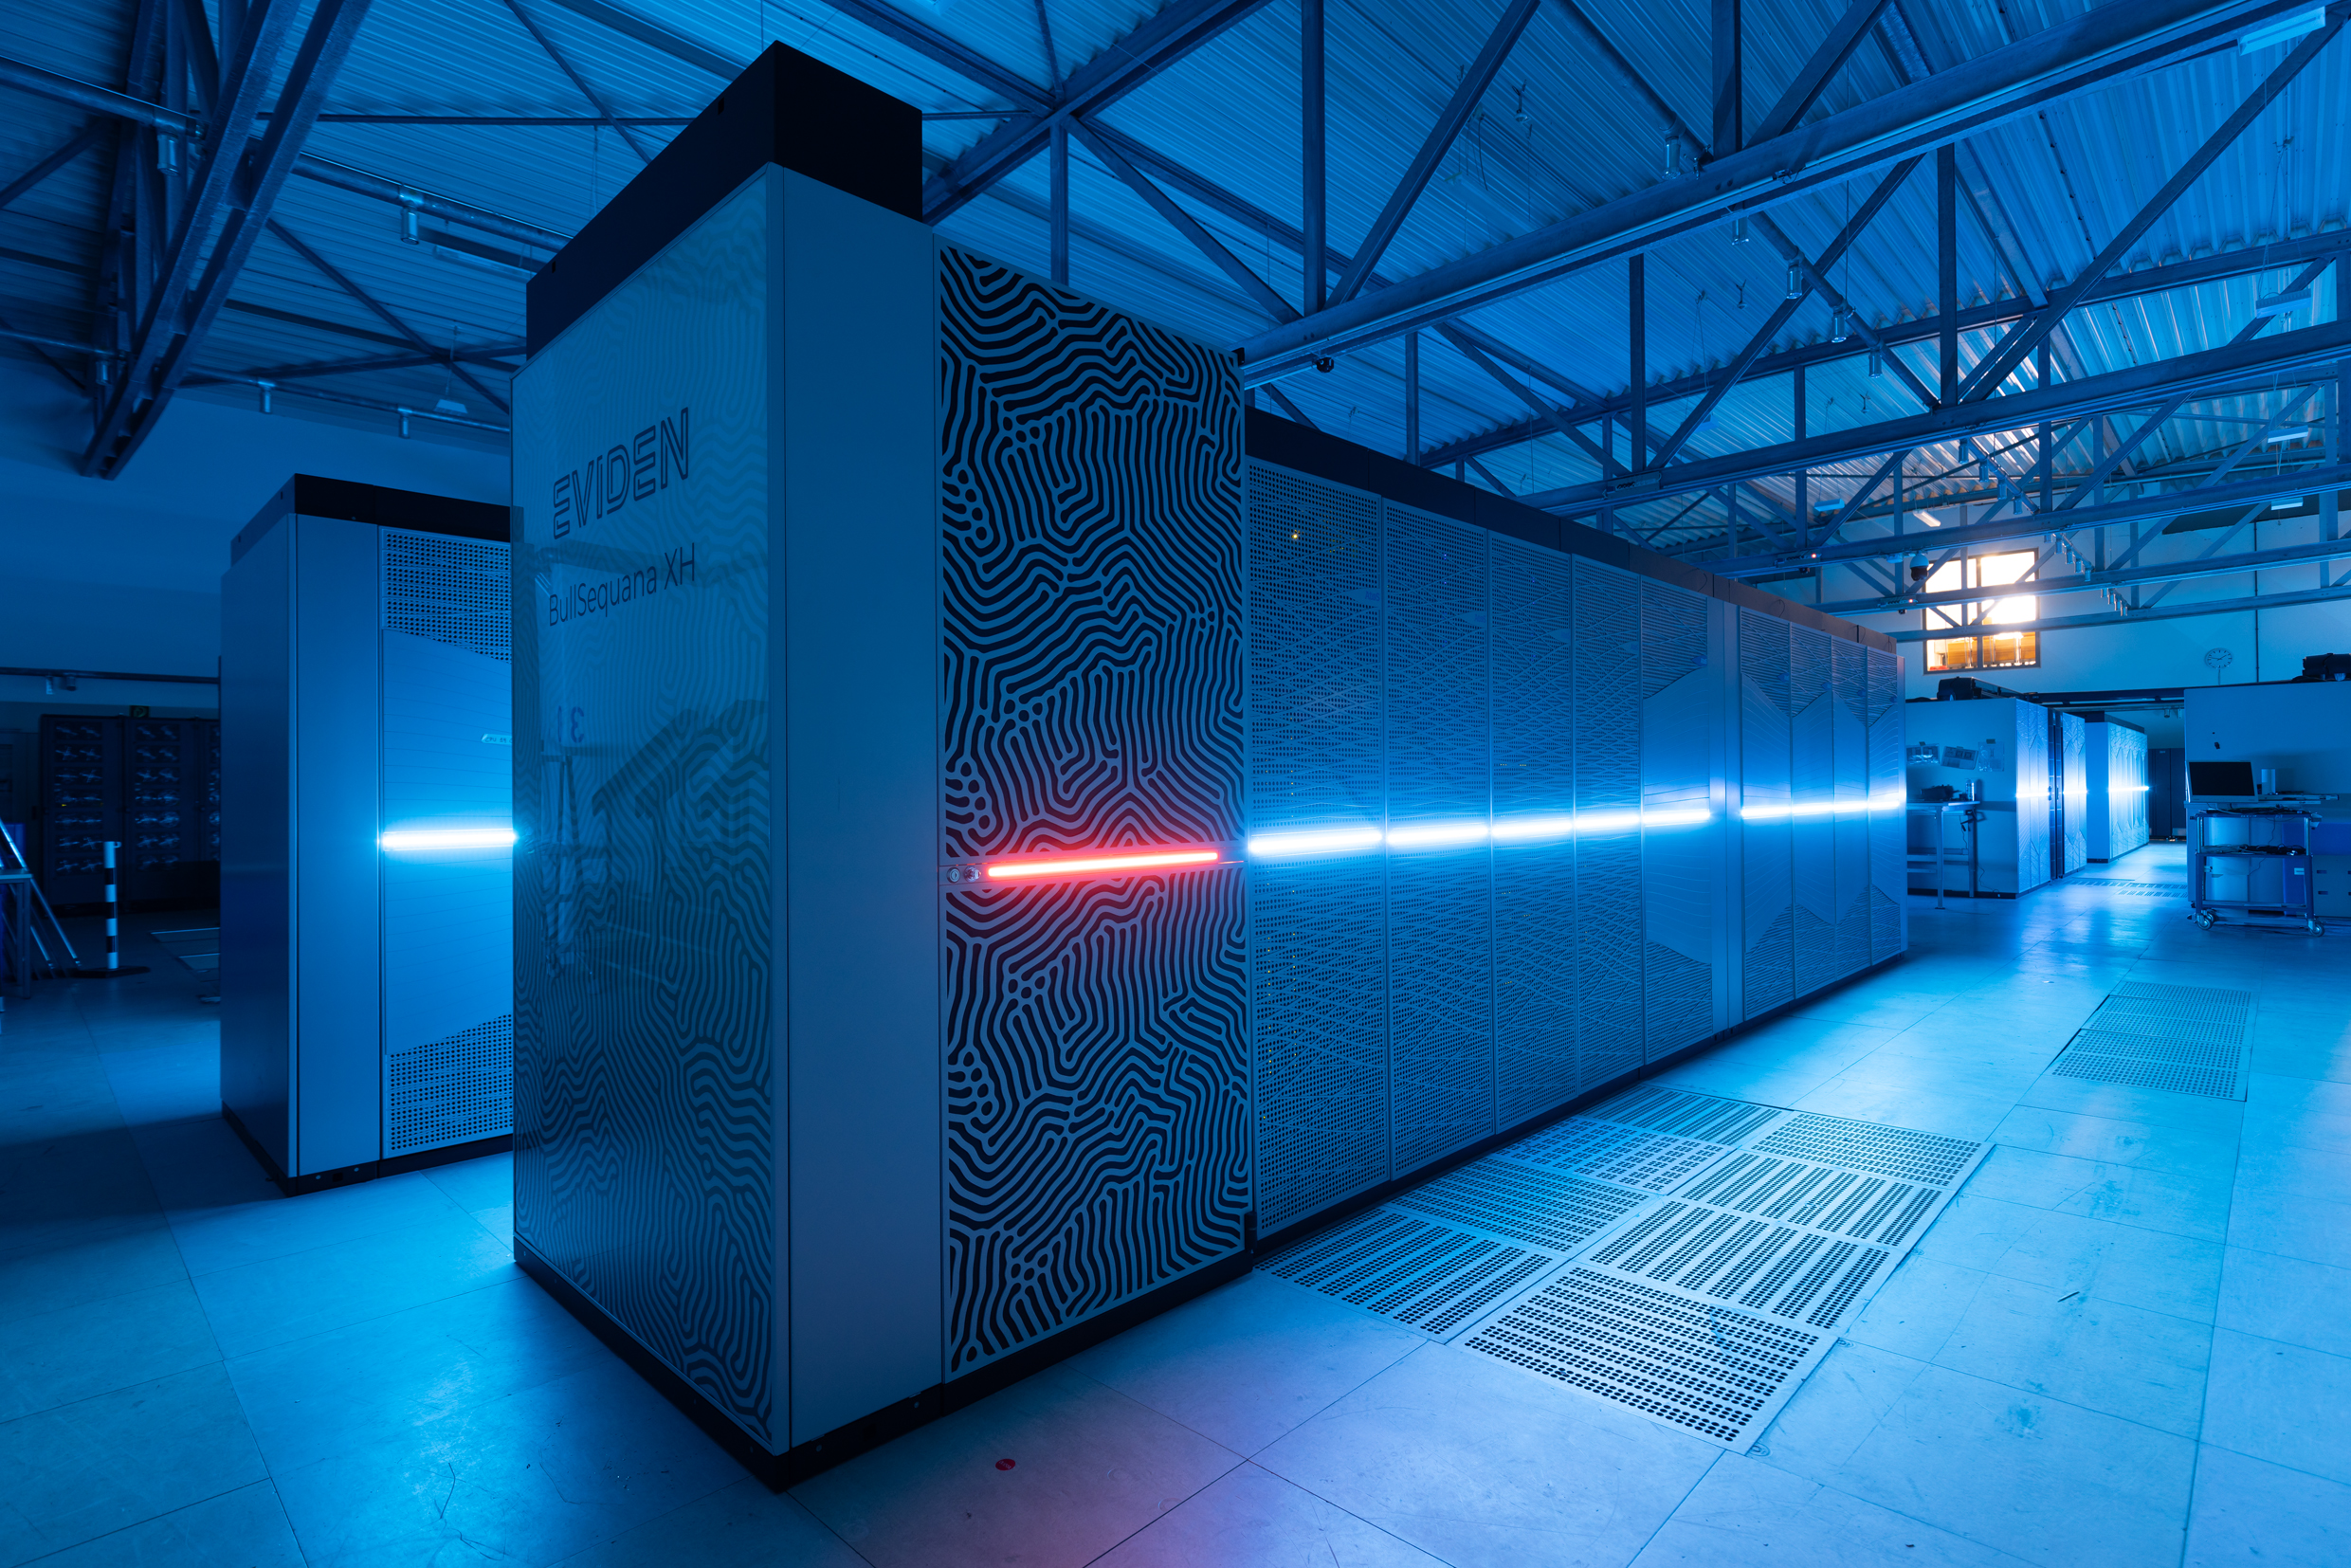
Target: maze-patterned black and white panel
column 1092, row 636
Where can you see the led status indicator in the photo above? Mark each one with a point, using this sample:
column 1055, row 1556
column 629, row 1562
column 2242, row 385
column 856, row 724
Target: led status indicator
column 1096, row 865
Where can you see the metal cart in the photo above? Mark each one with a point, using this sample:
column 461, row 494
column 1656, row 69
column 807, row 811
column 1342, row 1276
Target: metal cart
column 2252, row 864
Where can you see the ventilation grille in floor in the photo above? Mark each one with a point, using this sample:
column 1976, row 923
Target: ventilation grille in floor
column 1866, row 1146
column 1714, row 1371
column 1689, row 1256
column 1539, row 1208
column 2180, row 1039
column 1651, row 1161
column 1686, row 1115
column 2146, row 889
column 1429, row 1277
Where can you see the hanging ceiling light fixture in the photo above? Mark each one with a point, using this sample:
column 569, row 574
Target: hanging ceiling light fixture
column 1841, row 324
column 1795, row 280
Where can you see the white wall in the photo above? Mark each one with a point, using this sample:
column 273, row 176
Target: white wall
column 124, row 573
column 2268, row 645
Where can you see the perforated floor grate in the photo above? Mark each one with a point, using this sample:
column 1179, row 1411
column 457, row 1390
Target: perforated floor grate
column 2180, row 1039
column 1429, row 1277
column 2128, row 886
column 1872, row 1209
column 1639, row 1252
column 1711, row 1370
column 1540, row 1207
column 1651, row 1161
column 1685, row 1114
column 1896, row 1152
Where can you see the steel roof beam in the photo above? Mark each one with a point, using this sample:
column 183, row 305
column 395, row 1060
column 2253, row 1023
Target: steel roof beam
column 1185, row 224
column 2090, row 582
column 138, row 111
column 1439, row 141
column 87, row 137
column 1166, row 37
column 1779, row 317
column 382, row 312
column 2121, row 617
column 494, row 357
column 2168, row 505
column 2061, row 62
column 548, row 47
column 1815, row 74
column 2008, row 355
column 2288, row 352
column 209, row 215
column 1924, row 329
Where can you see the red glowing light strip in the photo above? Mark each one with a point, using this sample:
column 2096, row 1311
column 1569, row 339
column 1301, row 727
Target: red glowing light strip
column 1082, row 865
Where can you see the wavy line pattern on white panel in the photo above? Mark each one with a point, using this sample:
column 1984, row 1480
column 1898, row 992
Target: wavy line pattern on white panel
column 643, row 1092
column 1608, row 865
column 1440, row 897
column 1092, row 639
column 1679, row 869
column 1535, row 910
column 1767, row 968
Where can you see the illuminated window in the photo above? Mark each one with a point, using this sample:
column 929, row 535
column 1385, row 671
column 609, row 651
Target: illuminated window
column 1984, row 650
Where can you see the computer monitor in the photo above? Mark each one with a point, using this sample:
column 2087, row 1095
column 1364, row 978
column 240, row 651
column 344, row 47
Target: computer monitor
column 2221, row 781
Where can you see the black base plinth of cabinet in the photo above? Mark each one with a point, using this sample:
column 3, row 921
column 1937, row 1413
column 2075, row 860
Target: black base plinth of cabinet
column 344, row 1175
column 777, row 1472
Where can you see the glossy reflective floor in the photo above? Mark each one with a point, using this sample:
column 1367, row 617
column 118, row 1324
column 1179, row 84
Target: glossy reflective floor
column 2127, row 1342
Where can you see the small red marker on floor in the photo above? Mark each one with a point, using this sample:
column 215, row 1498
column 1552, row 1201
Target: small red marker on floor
column 1004, row 1464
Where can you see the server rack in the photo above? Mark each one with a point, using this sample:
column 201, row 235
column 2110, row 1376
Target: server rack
column 366, row 915
column 152, row 785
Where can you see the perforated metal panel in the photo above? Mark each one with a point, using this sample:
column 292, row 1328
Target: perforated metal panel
column 1848, row 735
column 1651, row 1161
column 1795, row 1275
column 1427, row 1276
column 451, row 590
column 1889, row 791
column 1539, row 1208
column 1440, row 898
column 1924, row 1157
column 1767, row 966
column 1608, row 859
column 1318, row 929
column 452, row 1091
column 1535, row 905
column 1681, row 860
column 1668, row 1354
column 2182, row 1039
column 1845, row 1203
column 1686, row 1115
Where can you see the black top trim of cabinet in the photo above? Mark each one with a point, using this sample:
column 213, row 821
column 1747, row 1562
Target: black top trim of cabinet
column 1290, row 444
column 377, row 505
column 786, row 109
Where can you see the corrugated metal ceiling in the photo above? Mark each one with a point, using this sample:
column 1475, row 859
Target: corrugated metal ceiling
column 1558, row 133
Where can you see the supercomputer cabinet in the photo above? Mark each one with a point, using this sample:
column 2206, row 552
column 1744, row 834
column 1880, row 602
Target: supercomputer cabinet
column 2118, row 779
column 367, row 1004
column 1002, row 833
column 2002, row 744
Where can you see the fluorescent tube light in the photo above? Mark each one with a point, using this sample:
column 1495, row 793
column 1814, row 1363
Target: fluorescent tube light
column 447, row 838
column 2284, row 30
